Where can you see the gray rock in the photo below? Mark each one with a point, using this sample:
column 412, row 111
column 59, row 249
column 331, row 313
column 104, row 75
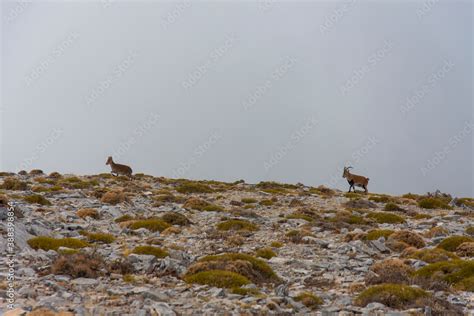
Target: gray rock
column 375, row 305
column 85, row 281
column 162, row 309
column 282, row 290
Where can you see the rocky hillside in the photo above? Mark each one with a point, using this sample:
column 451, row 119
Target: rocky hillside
column 104, row 245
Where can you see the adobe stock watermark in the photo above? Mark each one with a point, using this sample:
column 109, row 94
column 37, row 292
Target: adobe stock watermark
column 336, row 16
column 295, row 138
column 372, row 61
column 53, row 136
column 197, row 154
column 37, row 71
column 117, row 73
column 266, row 6
column 137, row 133
column 419, row 94
column 10, row 256
column 18, row 10
column 426, row 8
column 174, row 14
column 278, row 73
column 214, row 56
column 356, row 157
column 440, row 155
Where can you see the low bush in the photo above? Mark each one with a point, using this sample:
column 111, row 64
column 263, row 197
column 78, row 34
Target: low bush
column 266, row 253
column 88, row 212
column 309, row 300
column 37, row 199
column 152, row 224
column 99, row 237
column 218, row 278
column 150, row 250
column 13, row 184
column 188, row 187
column 457, row 273
column 114, row 197
column 408, row 237
column 248, row 200
column 392, row 295
column 252, row 268
column 434, row 203
column 386, row 218
column 49, row 243
column 124, row 218
column 430, row 255
column 78, row 265
column 389, row 271
column 377, row 233
column 452, row 243
column 466, row 249
column 174, row 218
column 237, row 225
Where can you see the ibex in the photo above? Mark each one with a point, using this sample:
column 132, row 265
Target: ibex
column 355, row 180
column 118, row 168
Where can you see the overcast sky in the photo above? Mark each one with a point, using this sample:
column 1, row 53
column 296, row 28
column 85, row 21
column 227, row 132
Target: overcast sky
column 255, row 90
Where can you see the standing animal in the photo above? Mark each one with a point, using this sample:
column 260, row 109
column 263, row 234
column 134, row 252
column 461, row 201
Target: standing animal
column 355, row 180
column 118, row 168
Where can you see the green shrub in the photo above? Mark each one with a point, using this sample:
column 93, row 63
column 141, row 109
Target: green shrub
column 249, row 200
column 150, row 250
column 201, row 205
column 266, row 253
column 451, row 243
column 266, row 202
column 352, row 195
column 152, row 224
column 124, row 218
column 411, row 196
column 13, row 184
column 218, row 278
column 458, row 273
column 276, row 244
column 253, row 268
column 408, row 238
column 244, row 291
column 237, row 225
column 421, row 216
column 470, row 230
column 213, row 208
column 193, row 187
column 76, row 183
column 434, row 203
column 386, row 218
column 309, row 300
column 377, row 233
column 430, row 255
column 37, row 199
column 99, row 237
column 392, row 207
column 380, row 198
column 49, row 243
column 174, row 218
column 392, row 295
column 275, row 187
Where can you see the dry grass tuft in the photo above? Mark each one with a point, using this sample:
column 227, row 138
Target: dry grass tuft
column 389, row 271
column 88, row 212
column 114, row 197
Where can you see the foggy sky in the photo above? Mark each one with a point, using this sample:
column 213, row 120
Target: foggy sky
column 229, row 90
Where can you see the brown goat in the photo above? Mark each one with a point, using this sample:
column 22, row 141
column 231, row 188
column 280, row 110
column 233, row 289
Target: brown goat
column 118, row 168
column 355, row 180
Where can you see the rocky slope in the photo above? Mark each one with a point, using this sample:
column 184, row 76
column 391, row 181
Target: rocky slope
column 148, row 246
